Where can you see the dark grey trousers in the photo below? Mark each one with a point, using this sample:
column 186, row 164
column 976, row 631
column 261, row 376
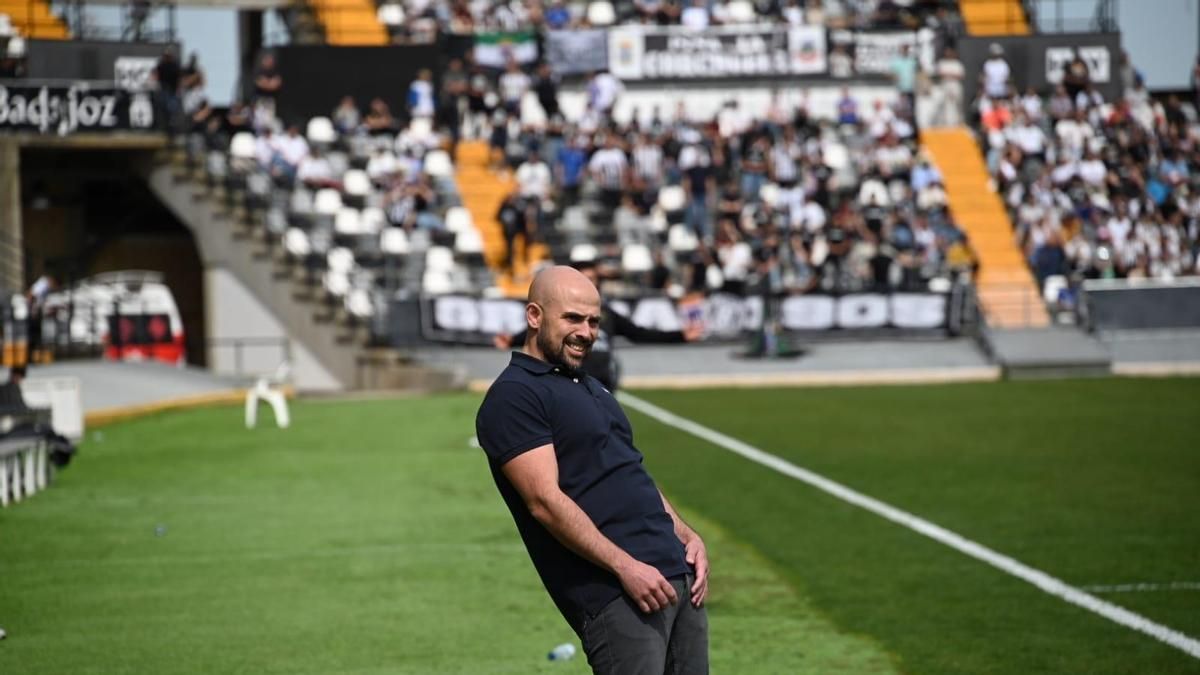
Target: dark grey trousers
column 621, row 640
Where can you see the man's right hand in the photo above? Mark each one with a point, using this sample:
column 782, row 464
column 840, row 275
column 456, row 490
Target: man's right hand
column 647, row 586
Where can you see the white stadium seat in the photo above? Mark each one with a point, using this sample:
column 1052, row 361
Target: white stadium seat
column 373, row 220
column 241, row 146
column 583, row 253
column 348, row 221
column 438, row 164
column 336, row 284
column 672, row 198
column 468, row 242
column 601, row 13
column 356, row 183
column 295, row 242
column 391, row 14
column 437, row 282
column 16, row 47
column 340, row 260
column 458, row 219
column 741, row 11
column 681, row 239
column 394, row 241
column 320, row 131
column 301, row 201
column 439, row 259
column 636, row 258
column 328, row 201
column 358, row 303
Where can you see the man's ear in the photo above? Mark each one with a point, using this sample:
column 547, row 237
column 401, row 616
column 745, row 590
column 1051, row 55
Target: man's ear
column 533, row 315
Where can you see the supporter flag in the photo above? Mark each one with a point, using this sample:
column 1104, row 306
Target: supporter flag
column 494, row 49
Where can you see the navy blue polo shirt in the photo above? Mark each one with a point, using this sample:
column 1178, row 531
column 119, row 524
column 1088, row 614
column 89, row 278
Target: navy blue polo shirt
column 534, row 403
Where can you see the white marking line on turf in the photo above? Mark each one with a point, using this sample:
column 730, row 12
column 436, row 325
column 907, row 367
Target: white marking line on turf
column 1047, row 583
column 1144, row 587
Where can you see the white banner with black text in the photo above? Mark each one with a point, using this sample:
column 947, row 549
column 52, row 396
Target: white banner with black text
column 460, row 318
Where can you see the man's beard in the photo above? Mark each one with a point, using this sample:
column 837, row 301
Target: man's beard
column 556, row 353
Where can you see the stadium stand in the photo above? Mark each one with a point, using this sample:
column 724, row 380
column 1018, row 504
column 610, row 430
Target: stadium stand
column 1095, row 189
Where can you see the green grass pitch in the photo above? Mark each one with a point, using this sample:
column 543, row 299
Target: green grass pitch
column 368, row 538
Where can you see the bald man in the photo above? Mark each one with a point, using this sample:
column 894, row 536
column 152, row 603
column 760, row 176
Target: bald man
column 626, row 572
column 601, row 362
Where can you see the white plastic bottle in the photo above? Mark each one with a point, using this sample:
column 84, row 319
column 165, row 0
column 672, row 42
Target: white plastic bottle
column 563, row 652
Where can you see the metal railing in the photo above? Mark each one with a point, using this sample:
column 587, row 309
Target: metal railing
column 1072, row 16
column 239, row 347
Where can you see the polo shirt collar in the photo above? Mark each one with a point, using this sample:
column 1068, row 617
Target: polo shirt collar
column 531, row 364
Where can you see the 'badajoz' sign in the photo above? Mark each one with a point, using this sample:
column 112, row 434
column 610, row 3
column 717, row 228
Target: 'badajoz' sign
column 68, row 109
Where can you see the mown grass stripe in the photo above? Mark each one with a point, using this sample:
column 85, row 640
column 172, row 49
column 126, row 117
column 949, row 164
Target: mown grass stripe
column 1038, row 578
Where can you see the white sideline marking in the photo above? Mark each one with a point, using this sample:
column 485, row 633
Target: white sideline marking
column 1045, row 582
column 1144, row 587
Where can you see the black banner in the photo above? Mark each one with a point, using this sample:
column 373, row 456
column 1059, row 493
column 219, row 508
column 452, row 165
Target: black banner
column 69, row 109
column 1037, row 60
column 1121, row 305
column 67, row 60
column 316, row 77
column 458, row 318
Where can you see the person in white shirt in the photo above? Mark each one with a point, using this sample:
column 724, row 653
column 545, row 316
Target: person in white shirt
column 1028, row 137
column 950, row 75
column 292, row 147
column 420, row 95
column 1031, row 104
column 695, row 16
column 315, row 171
column 603, row 90
column 264, row 149
column 1119, row 225
column 381, row 167
column 1074, row 133
column 1092, row 170
column 996, row 73
column 534, row 178
column 513, row 85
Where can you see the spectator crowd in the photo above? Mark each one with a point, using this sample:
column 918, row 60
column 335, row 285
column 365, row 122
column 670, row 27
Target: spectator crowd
column 1096, row 188
column 425, row 20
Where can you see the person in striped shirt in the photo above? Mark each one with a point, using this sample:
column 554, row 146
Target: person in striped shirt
column 609, row 169
column 647, row 172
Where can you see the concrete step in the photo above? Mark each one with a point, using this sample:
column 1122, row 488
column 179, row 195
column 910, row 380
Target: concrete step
column 1046, row 353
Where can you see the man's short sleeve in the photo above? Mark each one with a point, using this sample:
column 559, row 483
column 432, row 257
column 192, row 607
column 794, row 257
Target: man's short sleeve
column 512, row 420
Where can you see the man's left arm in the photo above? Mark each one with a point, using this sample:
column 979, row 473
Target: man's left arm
column 626, row 328
column 697, row 553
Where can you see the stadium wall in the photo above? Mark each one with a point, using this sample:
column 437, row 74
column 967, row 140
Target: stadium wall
column 316, row 77
column 12, row 268
column 235, row 314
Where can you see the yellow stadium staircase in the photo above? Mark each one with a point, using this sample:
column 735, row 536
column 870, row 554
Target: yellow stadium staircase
column 483, row 191
column 33, row 19
column 1008, row 293
column 994, row 17
column 350, row 22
